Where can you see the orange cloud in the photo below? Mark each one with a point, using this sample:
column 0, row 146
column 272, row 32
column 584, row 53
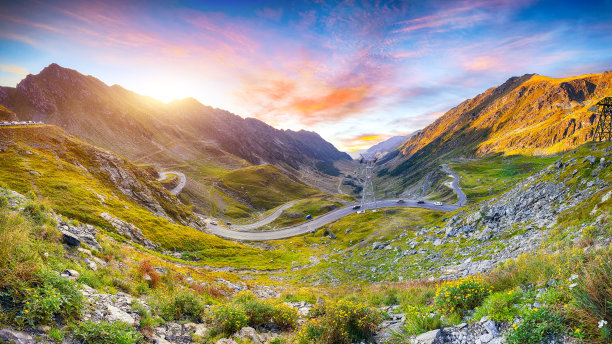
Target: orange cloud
column 336, row 98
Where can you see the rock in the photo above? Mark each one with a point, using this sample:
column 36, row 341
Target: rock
column 226, row 341
column 71, row 239
column 117, row 314
column 379, row 245
column 16, row 337
column 489, row 325
column 430, row 337
column 248, row 333
column 590, row 159
column 332, row 236
column 129, row 230
column 72, row 273
column 160, row 340
column 200, row 330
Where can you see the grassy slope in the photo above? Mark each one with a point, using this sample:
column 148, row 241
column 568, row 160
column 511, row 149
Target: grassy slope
column 265, row 186
column 74, row 193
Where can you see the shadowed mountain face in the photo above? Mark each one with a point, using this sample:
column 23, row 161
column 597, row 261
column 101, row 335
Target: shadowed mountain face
column 146, row 130
column 531, row 114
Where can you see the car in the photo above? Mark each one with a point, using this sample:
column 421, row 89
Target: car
column 400, row 201
column 228, row 223
column 308, row 217
column 438, row 203
column 361, row 212
column 355, row 207
column 421, row 201
column 213, row 223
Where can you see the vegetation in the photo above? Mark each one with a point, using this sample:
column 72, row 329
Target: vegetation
column 106, row 333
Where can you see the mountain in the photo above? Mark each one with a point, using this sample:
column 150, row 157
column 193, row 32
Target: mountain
column 203, row 142
column 384, row 147
column 136, row 126
column 531, row 114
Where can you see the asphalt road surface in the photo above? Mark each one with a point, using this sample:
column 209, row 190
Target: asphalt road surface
column 460, row 195
column 181, row 184
column 265, row 220
column 317, row 222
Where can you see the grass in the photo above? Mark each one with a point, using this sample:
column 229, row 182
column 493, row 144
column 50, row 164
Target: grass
column 489, row 176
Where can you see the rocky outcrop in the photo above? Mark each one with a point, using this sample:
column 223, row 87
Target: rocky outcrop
column 74, row 235
column 129, row 230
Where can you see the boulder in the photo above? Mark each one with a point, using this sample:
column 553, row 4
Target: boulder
column 431, row 337
column 17, row 337
column 71, row 239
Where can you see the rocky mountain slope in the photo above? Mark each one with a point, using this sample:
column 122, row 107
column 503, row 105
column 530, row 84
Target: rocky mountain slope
column 531, row 114
column 137, row 126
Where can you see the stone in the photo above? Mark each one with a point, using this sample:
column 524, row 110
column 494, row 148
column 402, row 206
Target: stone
column 160, row 340
column 590, row 159
column 200, row 330
column 489, row 325
column 71, row 239
column 117, row 314
column 379, row 245
column 226, row 341
column 430, row 337
column 16, row 337
column 248, row 333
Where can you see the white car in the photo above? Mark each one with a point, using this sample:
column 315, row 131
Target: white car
column 361, row 212
column 213, row 223
column 437, row 203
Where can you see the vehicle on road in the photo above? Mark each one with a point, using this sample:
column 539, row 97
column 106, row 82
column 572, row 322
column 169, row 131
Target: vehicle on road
column 421, row 201
column 400, row 201
column 355, row 207
column 438, row 203
column 228, row 223
column 308, row 217
column 361, row 212
column 213, row 223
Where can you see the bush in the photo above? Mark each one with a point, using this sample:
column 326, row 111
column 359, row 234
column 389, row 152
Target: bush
column 56, row 335
column 418, row 321
column 181, row 305
column 146, row 269
column 106, row 333
column 460, row 295
column 229, row 318
column 52, row 296
column 536, row 327
column 499, row 306
column 18, row 257
column 284, row 316
column 341, row 322
column 592, row 306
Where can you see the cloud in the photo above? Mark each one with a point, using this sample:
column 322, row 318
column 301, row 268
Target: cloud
column 13, row 69
column 19, row 38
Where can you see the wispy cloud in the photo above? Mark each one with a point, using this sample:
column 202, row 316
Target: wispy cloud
column 18, row 70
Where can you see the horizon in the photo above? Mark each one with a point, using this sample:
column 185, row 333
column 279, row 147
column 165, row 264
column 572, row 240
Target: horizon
column 356, row 74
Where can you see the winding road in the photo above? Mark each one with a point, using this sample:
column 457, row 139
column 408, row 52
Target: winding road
column 265, row 220
column 316, row 223
column 181, row 184
column 460, row 195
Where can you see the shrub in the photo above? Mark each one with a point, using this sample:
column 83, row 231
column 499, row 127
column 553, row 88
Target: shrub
column 499, row 306
column 180, row 306
column 229, row 318
column 56, row 335
column 52, row 296
column 341, row 322
column 18, row 257
column 537, row 325
column 145, row 269
column 3, row 201
column 284, row 316
column 418, row 321
column 592, row 306
column 36, row 212
column 106, row 333
column 460, row 295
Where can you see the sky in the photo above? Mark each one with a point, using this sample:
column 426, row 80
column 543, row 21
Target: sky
column 356, row 72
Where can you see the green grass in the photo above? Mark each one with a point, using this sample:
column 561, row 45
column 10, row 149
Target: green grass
column 296, row 214
column 265, row 186
column 486, row 177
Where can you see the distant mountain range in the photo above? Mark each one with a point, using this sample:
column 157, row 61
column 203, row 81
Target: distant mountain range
column 531, row 114
column 384, row 147
column 146, row 130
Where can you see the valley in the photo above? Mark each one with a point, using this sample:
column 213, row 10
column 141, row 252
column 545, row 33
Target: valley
column 200, row 226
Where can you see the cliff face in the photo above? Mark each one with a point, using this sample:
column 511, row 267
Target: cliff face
column 138, row 126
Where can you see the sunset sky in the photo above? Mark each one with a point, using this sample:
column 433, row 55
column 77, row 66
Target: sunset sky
column 355, row 72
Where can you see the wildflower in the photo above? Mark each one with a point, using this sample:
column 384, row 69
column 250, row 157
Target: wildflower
column 602, row 323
